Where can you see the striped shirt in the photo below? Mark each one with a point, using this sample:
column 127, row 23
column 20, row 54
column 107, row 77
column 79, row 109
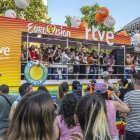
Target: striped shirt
column 132, row 99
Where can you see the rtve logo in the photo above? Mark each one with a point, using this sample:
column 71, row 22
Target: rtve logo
column 4, row 51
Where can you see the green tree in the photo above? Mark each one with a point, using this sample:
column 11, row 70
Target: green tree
column 68, row 20
column 88, row 14
column 36, row 11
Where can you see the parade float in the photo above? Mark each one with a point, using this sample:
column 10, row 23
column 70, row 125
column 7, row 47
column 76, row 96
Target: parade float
column 14, row 32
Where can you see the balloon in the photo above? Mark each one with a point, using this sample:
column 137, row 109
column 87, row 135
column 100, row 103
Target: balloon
column 99, row 18
column 103, row 11
column 109, row 21
column 75, row 22
column 83, row 25
column 135, row 40
column 10, row 13
column 136, row 37
column 22, row 4
column 123, row 33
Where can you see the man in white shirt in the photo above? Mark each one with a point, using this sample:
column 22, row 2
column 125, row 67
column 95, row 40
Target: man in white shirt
column 65, row 57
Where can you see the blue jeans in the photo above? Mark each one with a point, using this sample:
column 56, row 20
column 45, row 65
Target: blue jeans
column 127, row 72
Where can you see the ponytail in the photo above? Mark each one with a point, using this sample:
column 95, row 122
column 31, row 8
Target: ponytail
column 61, row 92
column 63, row 88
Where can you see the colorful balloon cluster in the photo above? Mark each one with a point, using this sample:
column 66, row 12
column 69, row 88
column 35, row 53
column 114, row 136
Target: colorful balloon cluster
column 76, row 22
column 102, row 16
column 22, row 4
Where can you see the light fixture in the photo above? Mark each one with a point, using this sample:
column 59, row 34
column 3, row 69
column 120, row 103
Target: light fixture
column 39, row 35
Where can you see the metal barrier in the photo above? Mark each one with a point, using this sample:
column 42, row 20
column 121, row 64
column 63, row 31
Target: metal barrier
column 59, row 71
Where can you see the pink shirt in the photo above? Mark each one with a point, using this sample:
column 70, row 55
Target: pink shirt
column 65, row 132
column 111, row 118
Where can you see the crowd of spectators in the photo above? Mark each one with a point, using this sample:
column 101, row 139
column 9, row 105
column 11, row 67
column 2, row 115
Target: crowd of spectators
column 73, row 115
column 82, row 62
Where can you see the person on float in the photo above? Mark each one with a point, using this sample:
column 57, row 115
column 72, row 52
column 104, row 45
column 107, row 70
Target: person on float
column 111, row 63
column 34, row 55
column 65, row 58
column 24, row 60
column 129, row 65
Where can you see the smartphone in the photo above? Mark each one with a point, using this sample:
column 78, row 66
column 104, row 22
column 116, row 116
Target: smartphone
column 79, row 87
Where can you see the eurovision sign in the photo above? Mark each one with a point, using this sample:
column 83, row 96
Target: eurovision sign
column 11, row 31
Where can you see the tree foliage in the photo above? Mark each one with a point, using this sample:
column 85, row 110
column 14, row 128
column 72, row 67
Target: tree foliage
column 88, row 14
column 36, row 11
column 68, row 20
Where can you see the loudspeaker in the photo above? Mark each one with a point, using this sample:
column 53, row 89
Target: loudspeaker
column 119, row 58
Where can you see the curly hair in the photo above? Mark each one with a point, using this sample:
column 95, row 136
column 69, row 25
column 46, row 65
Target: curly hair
column 67, row 110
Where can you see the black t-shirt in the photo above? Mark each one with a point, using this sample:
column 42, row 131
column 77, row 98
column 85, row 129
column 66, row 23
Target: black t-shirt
column 101, row 60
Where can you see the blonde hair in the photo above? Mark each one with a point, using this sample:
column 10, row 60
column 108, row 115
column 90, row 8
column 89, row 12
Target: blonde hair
column 92, row 115
column 99, row 129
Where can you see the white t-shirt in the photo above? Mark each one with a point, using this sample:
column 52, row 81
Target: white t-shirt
column 77, row 60
column 65, row 58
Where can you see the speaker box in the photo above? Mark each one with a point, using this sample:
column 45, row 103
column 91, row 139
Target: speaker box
column 119, row 57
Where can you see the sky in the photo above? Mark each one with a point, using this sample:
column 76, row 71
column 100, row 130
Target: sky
column 124, row 11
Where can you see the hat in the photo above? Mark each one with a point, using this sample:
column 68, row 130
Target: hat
column 100, row 87
column 93, row 81
column 136, row 76
column 124, row 81
column 105, row 74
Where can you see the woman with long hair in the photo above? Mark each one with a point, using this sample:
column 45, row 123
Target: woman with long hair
column 62, row 91
column 33, row 118
column 112, row 106
column 92, row 116
column 66, row 122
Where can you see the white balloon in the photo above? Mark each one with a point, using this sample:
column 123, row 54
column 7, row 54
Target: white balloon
column 137, row 37
column 22, row 4
column 109, row 21
column 135, row 40
column 10, row 13
column 75, row 22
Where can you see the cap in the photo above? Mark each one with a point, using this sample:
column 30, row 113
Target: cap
column 100, row 87
column 93, row 81
column 105, row 74
column 136, row 76
column 124, row 81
